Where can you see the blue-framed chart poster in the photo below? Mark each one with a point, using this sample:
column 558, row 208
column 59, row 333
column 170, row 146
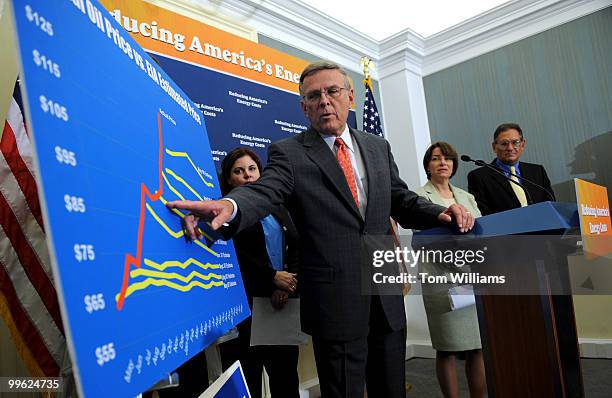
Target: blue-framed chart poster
column 114, row 139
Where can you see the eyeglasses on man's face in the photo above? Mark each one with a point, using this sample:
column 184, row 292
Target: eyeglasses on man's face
column 507, row 143
column 315, row 95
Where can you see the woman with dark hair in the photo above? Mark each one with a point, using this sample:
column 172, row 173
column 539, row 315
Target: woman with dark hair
column 267, row 254
column 243, row 175
column 453, row 332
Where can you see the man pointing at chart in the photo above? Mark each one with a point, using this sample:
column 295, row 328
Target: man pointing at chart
column 340, row 185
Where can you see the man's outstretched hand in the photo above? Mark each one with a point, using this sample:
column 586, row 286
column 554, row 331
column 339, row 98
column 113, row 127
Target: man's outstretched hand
column 459, row 215
column 217, row 212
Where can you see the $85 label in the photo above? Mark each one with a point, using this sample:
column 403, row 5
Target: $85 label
column 74, row 204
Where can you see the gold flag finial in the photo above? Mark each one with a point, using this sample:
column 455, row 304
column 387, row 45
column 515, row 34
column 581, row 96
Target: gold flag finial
column 368, row 65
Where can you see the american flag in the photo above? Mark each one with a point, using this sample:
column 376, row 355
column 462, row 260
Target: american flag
column 371, row 124
column 28, row 300
column 371, row 118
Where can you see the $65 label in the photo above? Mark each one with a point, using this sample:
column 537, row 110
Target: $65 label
column 105, row 353
column 94, row 302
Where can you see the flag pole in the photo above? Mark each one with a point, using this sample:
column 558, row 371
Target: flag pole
column 366, row 63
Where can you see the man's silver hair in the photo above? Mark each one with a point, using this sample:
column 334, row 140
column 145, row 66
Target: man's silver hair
column 323, row 65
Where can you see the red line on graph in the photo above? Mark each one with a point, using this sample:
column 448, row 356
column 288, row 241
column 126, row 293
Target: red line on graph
column 129, row 259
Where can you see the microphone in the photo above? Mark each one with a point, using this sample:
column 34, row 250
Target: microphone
column 478, row 162
column 466, row 158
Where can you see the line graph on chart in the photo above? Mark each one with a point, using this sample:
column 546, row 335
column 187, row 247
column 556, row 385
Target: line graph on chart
column 142, row 272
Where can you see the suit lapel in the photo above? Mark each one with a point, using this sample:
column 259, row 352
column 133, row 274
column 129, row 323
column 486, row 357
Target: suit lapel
column 504, row 183
column 432, row 193
column 457, row 195
column 369, row 163
column 281, row 218
column 434, row 196
column 318, row 151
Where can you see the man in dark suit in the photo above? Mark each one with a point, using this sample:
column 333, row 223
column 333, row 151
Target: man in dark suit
column 340, row 186
column 492, row 191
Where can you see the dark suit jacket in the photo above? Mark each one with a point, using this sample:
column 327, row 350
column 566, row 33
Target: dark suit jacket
column 493, row 192
column 257, row 272
column 304, row 174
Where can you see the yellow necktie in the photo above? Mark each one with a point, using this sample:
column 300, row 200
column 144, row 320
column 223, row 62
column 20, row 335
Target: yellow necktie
column 518, row 191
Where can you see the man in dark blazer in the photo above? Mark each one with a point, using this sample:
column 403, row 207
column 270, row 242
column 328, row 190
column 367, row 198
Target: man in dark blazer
column 339, row 193
column 492, row 191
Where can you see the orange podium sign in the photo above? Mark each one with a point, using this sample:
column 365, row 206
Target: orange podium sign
column 594, row 213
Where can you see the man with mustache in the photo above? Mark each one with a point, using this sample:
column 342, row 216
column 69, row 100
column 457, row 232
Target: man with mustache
column 492, row 191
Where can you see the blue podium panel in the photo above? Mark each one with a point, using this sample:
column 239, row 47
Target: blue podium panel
column 115, row 138
column 540, row 217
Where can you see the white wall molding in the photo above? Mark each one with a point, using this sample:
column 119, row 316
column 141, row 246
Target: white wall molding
column 310, row 388
column 398, row 62
column 500, row 27
column 203, row 13
column 419, row 349
column 308, row 29
column 589, row 348
column 404, row 50
column 595, row 348
column 305, row 28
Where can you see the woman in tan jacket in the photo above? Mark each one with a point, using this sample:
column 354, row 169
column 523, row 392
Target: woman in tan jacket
column 453, row 333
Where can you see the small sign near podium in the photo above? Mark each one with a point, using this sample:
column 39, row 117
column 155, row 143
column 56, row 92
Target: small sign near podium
column 231, row 384
column 594, row 214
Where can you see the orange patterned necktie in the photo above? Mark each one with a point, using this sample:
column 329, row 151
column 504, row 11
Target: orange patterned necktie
column 347, row 168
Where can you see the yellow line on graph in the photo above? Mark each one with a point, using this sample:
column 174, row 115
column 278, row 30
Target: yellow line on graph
column 182, row 215
column 177, row 193
column 182, row 181
column 177, row 234
column 182, row 265
column 185, row 155
column 175, row 211
column 172, row 275
column 203, row 246
column 172, row 233
column 163, row 282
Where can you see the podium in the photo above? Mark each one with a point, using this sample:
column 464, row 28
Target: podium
column 527, row 325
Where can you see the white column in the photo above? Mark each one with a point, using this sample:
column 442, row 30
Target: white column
column 405, row 123
column 407, row 129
